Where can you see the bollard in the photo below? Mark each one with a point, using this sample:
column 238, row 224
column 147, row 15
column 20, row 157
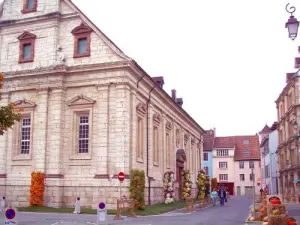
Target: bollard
column 102, row 214
column 2, row 204
column 77, row 206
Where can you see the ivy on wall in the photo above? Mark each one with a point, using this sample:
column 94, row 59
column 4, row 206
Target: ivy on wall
column 137, row 188
column 37, row 189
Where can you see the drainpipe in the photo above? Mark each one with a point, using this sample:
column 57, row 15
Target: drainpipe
column 147, row 135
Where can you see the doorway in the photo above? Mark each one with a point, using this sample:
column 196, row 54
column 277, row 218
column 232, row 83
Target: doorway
column 238, row 190
column 249, row 190
column 180, row 159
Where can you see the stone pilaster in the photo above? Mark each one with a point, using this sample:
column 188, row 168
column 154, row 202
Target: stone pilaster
column 40, row 134
column 55, row 142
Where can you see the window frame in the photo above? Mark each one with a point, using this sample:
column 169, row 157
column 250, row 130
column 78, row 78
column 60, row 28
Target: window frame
column 221, row 163
column 205, row 158
column 26, row 9
column 27, row 110
column 223, row 152
column 75, row 114
column 206, row 169
column 242, row 175
column 250, row 176
column 82, row 32
column 250, row 164
column 25, row 39
column 241, row 163
column 225, row 175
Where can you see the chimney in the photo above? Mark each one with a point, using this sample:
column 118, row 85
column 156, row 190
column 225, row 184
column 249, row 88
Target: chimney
column 174, row 94
column 159, row 81
column 179, row 101
column 289, row 76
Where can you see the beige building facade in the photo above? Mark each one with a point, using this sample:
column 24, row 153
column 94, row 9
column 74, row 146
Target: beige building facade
column 288, row 112
column 236, row 164
column 89, row 111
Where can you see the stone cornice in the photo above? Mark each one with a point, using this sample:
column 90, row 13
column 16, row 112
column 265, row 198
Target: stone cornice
column 180, row 115
column 286, row 89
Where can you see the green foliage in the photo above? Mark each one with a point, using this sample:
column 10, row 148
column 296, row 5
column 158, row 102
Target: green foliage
column 8, row 114
column 137, row 188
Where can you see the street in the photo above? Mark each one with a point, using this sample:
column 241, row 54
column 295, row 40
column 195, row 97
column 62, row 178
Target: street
column 234, row 212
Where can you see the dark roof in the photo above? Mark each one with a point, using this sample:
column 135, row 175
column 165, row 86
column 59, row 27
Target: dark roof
column 245, row 147
column 224, row 142
column 265, row 130
column 208, row 139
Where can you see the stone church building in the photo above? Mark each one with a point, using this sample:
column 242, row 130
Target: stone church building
column 89, row 111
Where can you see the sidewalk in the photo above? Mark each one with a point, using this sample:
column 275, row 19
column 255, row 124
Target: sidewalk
column 293, row 210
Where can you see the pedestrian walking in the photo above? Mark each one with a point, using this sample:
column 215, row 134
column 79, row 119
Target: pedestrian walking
column 222, row 195
column 214, row 195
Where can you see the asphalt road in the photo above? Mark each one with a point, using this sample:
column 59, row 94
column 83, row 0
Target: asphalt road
column 234, row 212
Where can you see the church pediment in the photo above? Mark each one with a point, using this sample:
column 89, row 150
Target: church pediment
column 27, row 35
column 81, row 100
column 24, row 104
column 82, row 29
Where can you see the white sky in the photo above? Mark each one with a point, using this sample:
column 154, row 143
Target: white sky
column 226, row 59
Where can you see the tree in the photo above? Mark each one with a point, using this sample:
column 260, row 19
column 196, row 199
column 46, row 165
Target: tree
column 214, row 183
column 8, row 113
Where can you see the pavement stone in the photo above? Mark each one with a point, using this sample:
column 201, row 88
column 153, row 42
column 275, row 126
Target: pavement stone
column 234, row 212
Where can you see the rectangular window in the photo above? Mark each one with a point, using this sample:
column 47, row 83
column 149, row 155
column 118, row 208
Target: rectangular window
column 242, row 177
column 223, row 165
column 252, row 177
column 25, row 135
column 206, row 170
column 26, row 51
column 246, row 142
column 251, row 164
column 222, row 152
column 223, row 177
column 267, row 171
column 30, row 4
column 83, row 134
column 241, row 164
column 140, row 141
column 205, row 156
column 155, row 144
column 82, row 46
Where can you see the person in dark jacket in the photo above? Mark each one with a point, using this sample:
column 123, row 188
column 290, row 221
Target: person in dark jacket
column 222, row 195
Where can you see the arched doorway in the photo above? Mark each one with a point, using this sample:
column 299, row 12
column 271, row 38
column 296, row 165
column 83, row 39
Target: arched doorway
column 180, row 159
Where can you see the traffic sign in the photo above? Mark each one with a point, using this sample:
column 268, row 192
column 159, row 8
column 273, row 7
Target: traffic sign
column 10, row 214
column 121, row 176
column 101, row 205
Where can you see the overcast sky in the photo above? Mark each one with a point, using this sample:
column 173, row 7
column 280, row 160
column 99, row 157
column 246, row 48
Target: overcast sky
column 227, row 59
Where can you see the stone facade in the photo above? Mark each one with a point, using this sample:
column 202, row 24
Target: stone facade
column 288, row 111
column 106, row 95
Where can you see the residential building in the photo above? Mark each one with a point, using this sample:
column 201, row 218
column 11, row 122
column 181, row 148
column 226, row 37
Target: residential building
column 262, row 134
column 208, row 144
column 247, row 165
column 268, row 146
column 288, row 112
column 223, row 161
column 89, row 111
column 233, row 160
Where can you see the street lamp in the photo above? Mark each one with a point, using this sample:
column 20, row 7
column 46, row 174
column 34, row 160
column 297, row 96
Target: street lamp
column 292, row 24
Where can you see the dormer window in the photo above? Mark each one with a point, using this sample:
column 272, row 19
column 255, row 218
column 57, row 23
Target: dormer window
column 27, row 44
column 29, row 6
column 82, row 41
